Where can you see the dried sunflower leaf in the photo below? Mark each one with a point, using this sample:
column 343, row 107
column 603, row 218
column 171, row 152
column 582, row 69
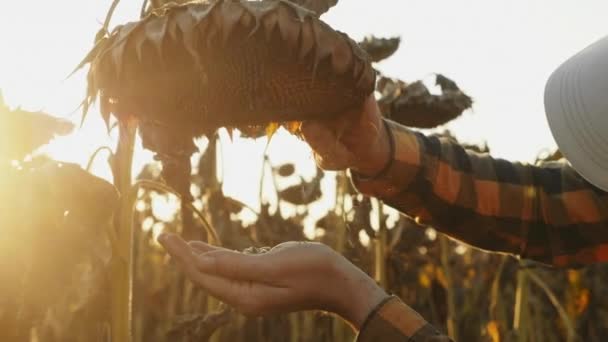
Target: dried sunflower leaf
column 341, row 56
column 105, row 110
column 231, row 14
column 413, row 104
column 317, row 6
column 303, row 194
column 289, row 32
column 380, row 48
column 101, row 44
column 117, row 59
column 269, row 22
column 22, row 132
column 286, row 170
column 307, row 40
column 185, row 22
column 156, row 31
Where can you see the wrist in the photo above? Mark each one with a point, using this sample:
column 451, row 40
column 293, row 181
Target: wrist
column 378, row 158
column 359, row 295
column 368, row 299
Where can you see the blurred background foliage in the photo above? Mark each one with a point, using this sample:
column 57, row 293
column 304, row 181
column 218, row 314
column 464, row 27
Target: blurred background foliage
column 57, row 224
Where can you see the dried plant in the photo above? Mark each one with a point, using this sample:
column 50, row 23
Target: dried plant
column 54, row 234
column 91, row 258
column 22, row 132
column 413, row 104
column 380, row 49
column 181, row 72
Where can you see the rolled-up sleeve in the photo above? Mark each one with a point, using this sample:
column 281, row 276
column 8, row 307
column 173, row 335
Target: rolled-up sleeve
column 394, row 321
column 547, row 213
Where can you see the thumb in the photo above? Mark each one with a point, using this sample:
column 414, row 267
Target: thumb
column 239, row 266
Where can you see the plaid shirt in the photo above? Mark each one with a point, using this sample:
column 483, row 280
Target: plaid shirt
column 546, row 213
column 393, row 321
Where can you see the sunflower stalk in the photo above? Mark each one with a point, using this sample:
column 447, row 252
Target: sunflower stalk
column 521, row 311
column 122, row 262
column 536, row 279
column 380, row 242
column 340, row 330
column 341, row 192
column 213, row 236
column 95, row 154
column 451, row 300
column 497, row 304
column 144, row 7
column 106, row 24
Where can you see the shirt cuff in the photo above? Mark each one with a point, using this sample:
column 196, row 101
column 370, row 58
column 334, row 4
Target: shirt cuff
column 406, row 165
column 394, row 321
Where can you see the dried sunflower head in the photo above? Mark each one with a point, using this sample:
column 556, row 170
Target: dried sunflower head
column 203, row 65
column 188, row 69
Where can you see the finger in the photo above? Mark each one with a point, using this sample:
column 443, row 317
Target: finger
column 249, row 297
column 338, row 158
column 239, row 266
column 317, row 133
column 331, row 154
column 202, row 247
column 181, row 252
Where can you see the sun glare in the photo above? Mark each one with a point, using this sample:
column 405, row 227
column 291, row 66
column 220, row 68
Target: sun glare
column 40, row 48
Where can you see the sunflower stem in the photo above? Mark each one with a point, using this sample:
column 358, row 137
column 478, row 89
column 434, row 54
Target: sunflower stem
column 521, row 313
column 563, row 314
column 213, row 236
column 122, row 260
column 380, row 248
column 106, row 23
column 451, row 300
column 94, row 156
column 144, row 6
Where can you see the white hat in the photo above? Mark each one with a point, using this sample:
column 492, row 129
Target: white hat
column 576, row 103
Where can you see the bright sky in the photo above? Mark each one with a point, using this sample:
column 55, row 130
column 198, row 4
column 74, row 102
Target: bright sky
column 500, row 52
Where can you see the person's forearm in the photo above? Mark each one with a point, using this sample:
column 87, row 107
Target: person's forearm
column 549, row 213
column 441, row 185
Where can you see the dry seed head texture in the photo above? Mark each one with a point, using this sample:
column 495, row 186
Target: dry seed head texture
column 187, row 69
column 199, row 66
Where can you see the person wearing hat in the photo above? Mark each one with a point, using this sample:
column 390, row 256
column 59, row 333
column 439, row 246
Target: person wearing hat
column 555, row 213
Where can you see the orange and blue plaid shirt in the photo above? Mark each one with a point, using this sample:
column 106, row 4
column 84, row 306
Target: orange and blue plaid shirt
column 393, row 321
column 547, row 213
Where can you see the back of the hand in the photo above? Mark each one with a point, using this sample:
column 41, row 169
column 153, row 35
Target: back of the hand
column 357, row 140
